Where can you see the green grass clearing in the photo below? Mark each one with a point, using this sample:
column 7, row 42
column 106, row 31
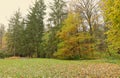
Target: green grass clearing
column 52, row 68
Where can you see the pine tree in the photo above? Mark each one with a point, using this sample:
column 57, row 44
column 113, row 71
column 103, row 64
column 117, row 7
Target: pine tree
column 35, row 28
column 14, row 34
column 57, row 16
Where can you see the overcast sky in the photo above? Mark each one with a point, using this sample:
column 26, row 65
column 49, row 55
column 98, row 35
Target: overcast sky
column 8, row 7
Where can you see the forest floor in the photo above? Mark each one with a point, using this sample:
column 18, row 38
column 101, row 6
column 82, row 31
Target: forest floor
column 52, row 68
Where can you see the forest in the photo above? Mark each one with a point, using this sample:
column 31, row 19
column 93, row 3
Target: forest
column 73, row 29
column 61, row 39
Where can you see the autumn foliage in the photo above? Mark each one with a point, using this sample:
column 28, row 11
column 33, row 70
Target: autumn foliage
column 74, row 43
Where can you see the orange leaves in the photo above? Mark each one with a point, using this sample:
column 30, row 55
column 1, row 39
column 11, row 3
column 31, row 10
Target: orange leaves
column 73, row 43
column 68, row 47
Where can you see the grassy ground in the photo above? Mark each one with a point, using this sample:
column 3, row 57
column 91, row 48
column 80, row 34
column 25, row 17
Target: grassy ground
column 51, row 68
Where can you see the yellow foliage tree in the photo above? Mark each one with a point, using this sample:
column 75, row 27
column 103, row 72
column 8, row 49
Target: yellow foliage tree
column 74, row 42
column 112, row 18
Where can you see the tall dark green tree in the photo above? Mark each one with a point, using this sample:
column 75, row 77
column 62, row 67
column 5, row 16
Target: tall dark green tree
column 14, row 34
column 57, row 16
column 35, row 28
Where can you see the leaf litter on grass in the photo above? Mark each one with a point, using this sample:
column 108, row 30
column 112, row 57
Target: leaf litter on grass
column 50, row 68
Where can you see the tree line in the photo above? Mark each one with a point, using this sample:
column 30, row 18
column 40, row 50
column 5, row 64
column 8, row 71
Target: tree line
column 74, row 29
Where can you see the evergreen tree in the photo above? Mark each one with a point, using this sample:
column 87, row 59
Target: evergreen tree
column 14, row 34
column 57, row 16
column 35, row 28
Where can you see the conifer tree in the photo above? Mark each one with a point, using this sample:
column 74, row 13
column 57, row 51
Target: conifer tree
column 14, row 36
column 57, row 16
column 35, row 28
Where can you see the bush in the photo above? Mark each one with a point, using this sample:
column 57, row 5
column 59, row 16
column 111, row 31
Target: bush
column 61, row 55
column 2, row 54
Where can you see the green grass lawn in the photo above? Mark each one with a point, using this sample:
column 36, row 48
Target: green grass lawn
column 51, row 68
